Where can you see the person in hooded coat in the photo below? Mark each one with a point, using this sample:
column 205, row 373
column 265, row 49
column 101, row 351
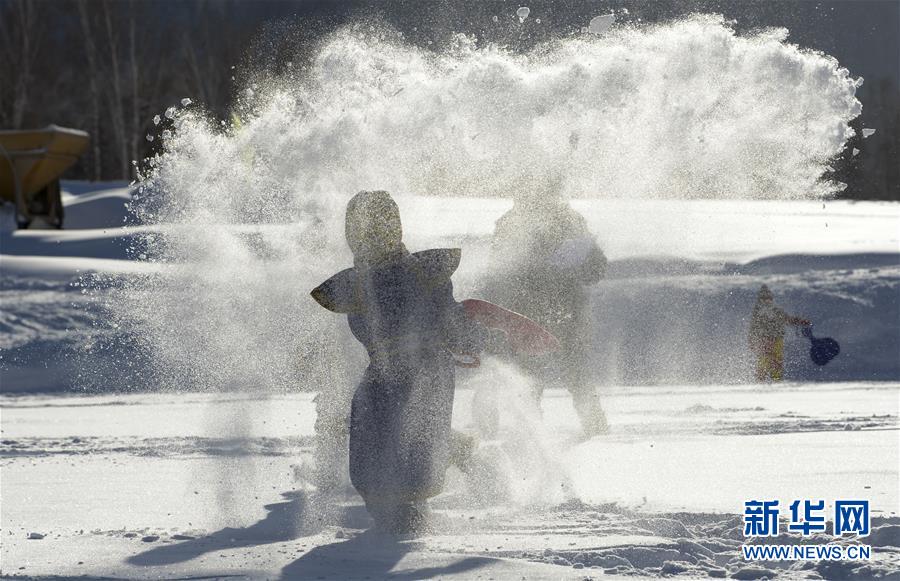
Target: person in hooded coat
column 400, row 306
column 766, row 337
column 544, row 261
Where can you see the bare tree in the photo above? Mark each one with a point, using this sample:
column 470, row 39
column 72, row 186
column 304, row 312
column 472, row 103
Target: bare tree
column 116, row 97
column 21, row 43
column 135, row 130
column 90, row 49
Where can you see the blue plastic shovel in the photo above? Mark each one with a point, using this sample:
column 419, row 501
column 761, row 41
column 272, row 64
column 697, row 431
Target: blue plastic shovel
column 822, row 349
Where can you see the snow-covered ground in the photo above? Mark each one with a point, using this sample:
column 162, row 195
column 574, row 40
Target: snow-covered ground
column 117, row 492
column 141, row 486
column 178, row 484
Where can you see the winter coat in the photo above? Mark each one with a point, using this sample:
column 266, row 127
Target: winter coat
column 767, row 325
column 544, row 266
column 403, row 312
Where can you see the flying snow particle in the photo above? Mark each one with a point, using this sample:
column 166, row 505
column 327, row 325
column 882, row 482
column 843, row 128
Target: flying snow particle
column 170, row 113
column 149, row 137
column 185, row 102
column 855, row 152
column 290, row 64
column 523, row 13
column 166, row 134
column 868, row 132
column 600, row 24
column 537, row 20
column 156, row 119
column 248, row 92
column 495, row 19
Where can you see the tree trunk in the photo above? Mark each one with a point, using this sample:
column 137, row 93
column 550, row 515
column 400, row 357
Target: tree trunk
column 21, row 47
column 117, row 98
column 135, row 96
column 91, row 53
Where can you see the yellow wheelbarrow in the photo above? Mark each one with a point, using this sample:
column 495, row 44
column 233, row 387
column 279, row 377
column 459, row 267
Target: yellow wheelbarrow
column 31, row 163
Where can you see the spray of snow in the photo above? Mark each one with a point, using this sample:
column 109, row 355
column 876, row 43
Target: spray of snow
column 251, row 212
column 688, row 109
column 538, row 475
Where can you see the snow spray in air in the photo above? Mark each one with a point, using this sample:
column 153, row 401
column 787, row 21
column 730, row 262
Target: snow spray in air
column 251, row 212
column 244, row 216
column 538, row 475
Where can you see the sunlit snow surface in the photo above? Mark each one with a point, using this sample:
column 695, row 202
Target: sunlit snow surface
column 98, row 474
column 221, row 478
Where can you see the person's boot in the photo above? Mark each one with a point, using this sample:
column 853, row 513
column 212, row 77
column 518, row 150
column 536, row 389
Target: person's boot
column 462, row 448
column 590, row 412
column 412, row 520
column 487, row 475
column 483, row 466
column 399, row 519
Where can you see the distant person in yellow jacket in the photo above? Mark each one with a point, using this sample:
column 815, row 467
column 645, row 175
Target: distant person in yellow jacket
column 767, row 335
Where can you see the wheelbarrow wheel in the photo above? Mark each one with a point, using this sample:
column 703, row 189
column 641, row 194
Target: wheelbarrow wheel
column 47, row 205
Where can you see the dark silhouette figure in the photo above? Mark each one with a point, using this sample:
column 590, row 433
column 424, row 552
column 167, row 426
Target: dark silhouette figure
column 545, row 260
column 400, row 306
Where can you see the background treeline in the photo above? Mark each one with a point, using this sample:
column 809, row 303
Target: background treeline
column 109, row 66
